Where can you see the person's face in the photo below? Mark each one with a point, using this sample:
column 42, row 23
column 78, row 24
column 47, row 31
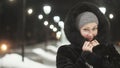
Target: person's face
column 89, row 31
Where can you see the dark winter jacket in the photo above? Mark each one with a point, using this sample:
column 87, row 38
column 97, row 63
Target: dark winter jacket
column 72, row 56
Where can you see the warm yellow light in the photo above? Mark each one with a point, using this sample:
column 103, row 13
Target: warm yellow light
column 3, row 47
column 58, row 35
column 30, row 11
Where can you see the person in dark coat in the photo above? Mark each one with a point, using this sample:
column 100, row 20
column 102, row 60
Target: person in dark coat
column 88, row 33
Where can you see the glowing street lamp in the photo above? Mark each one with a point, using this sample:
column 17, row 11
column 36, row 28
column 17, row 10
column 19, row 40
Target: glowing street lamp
column 102, row 9
column 56, row 19
column 12, row 1
column 4, row 47
column 30, row 11
column 55, row 29
column 111, row 16
column 61, row 24
column 51, row 26
column 58, row 34
column 46, row 23
column 40, row 16
column 47, row 9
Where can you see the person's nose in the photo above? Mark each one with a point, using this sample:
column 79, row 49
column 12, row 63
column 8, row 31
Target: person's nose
column 90, row 34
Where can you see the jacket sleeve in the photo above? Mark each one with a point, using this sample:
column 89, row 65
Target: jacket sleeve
column 104, row 57
column 64, row 60
column 92, row 59
column 114, row 56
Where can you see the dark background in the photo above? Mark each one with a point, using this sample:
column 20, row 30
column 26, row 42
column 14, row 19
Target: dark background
column 17, row 25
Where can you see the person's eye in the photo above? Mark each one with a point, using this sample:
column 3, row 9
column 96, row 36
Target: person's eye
column 95, row 28
column 85, row 29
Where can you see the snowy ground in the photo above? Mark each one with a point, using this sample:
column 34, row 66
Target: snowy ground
column 14, row 60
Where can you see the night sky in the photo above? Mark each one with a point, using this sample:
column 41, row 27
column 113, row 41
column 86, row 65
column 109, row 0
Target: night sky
column 32, row 30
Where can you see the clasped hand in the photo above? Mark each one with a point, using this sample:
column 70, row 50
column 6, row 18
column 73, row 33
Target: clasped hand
column 88, row 45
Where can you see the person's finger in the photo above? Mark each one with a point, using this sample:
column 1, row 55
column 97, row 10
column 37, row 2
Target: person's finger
column 90, row 47
column 97, row 42
column 85, row 45
column 94, row 42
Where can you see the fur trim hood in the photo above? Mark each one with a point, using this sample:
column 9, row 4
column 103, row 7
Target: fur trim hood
column 71, row 31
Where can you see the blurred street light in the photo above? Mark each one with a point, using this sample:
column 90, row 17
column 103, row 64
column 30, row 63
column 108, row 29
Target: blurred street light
column 12, row 1
column 55, row 29
column 47, row 9
column 46, row 23
column 102, row 9
column 56, row 19
column 40, row 16
column 61, row 24
column 58, row 34
column 4, row 47
column 30, row 11
column 111, row 16
column 51, row 26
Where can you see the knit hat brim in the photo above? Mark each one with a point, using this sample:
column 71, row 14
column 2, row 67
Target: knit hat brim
column 85, row 18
